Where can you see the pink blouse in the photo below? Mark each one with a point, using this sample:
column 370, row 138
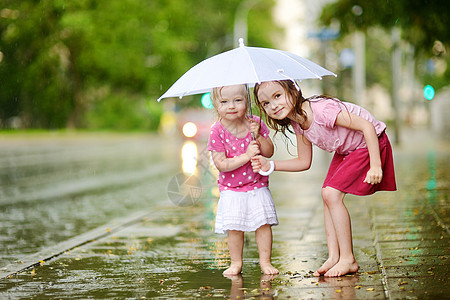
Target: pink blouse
column 326, row 135
column 241, row 179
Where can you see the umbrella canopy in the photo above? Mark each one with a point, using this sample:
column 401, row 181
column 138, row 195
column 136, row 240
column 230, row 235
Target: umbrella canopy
column 244, row 65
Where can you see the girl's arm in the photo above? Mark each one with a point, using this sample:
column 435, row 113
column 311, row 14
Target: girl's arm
column 375, row 173
column 226, row 164
column 301, row 163
column 266, row 145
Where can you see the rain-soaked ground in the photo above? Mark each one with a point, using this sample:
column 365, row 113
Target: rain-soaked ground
column 118, row 195
column 54, row 187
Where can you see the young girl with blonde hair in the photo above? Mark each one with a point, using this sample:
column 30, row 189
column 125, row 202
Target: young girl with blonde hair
column 245, row 202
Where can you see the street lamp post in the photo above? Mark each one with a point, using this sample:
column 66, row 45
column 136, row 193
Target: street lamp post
column 240, row 20
column 395, row 96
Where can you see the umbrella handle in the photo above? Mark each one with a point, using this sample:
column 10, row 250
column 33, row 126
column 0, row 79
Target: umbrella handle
column 250, row 105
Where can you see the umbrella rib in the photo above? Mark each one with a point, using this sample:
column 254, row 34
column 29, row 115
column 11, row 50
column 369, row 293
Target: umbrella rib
column 193, row 84
column 189, row 90
column 296, row 62
column 252, row 64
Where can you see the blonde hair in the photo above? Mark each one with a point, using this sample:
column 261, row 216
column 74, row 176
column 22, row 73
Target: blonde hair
column 216, row 95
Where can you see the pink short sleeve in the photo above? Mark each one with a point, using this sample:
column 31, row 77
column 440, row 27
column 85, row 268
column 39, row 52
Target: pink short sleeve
column 329, row 112
column 215, row 142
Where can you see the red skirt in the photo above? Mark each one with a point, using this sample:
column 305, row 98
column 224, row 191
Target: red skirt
column 347, row 172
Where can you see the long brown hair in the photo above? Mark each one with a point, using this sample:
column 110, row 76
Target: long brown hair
column 294, row 94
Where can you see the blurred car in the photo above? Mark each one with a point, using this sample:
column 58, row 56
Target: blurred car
column 195, row 123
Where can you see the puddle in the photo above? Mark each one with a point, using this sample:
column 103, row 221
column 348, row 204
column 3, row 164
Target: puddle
column 176, row 255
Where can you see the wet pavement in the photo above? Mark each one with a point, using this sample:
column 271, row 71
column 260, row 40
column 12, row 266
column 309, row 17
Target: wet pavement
column 56, row 186
column 152, row 248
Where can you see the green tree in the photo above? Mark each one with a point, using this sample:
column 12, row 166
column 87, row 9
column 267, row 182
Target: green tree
column 103, row 63
column 423, row 23
column 31, row 71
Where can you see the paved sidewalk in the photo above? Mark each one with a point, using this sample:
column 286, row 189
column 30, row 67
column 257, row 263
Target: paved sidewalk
column 401, row 239
column 401, row 242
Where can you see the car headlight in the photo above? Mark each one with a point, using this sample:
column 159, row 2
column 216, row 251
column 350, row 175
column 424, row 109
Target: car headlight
column 189, row 129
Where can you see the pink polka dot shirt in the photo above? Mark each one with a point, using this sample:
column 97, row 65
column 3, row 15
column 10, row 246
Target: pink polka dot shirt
column 242, row 179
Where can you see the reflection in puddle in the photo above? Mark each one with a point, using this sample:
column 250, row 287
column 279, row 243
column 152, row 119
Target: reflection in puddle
column 237, row 290
column 345, row 287
column 189, row 157
column 431, row 184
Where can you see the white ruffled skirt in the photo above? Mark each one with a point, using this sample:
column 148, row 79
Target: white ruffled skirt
column 245, row 211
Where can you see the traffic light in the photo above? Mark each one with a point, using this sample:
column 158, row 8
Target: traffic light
column 428, row 92
column 206, row 101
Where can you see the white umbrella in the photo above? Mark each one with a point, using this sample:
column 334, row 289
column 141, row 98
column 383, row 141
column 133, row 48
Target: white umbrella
column 244, row 65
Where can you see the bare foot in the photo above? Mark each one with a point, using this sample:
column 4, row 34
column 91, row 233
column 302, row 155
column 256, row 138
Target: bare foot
column 343, row 267
column 268, row 269
column 234, row 269
column 328, row 264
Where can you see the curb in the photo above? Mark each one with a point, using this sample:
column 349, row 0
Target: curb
column 54, row 251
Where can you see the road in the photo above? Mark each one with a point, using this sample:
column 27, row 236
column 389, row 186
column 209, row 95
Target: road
column 150, row 234
column 57, row 186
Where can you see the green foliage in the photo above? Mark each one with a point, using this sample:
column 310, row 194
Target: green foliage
column 102, row 63
column 422, row 21
column 31, row 71
column 123, row 112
